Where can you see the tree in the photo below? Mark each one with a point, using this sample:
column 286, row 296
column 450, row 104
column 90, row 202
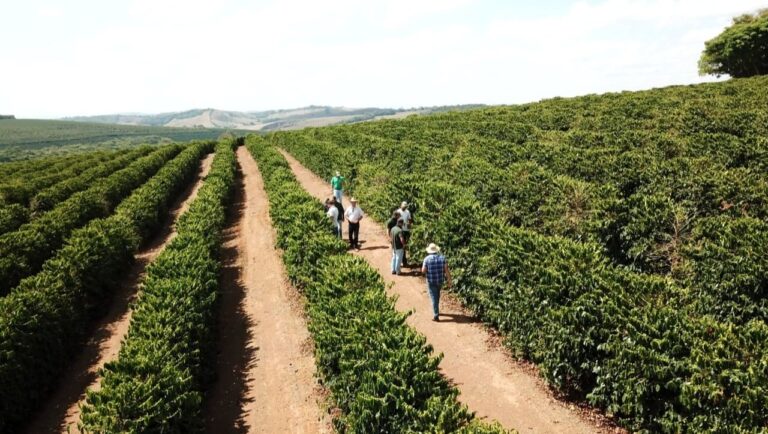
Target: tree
column 741, row 50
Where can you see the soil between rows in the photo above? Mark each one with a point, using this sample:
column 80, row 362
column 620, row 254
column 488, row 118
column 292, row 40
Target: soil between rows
column 265, row 368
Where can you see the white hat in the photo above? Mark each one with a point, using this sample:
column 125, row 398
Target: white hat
column 338, row 173
column 404, row 203
column 433, row 248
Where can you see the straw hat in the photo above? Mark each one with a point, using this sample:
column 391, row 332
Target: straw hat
column 338, row 173
column 433, row 248
column 353, row 200
column 404, row 204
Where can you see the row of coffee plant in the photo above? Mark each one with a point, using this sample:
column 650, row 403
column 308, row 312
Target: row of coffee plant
column 28, row 178
column 48, row 198
column 13, row 170
column 649, row 197
column 20, row 186
column 22, row 252
column 634, row 344
column 157, row 382
column 381, row 373
column 657, row 162
column 649, row 230
column 14, row 215
column 44, row 320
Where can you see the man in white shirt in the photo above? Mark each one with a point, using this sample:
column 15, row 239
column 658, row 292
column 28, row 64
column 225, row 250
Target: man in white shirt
column 405, row 214
column 354, row 214
column 333, row 213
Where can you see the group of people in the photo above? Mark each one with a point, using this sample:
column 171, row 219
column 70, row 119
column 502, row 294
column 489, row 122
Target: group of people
column 353, row 214
column 399, row 229
column 334, row 209
column 434, row 266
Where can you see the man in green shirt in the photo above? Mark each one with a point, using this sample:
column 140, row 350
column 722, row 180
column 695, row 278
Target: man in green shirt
column 337, row 184
column 398, row 244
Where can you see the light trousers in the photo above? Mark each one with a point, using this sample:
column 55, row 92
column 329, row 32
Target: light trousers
column 434, row 295
column 397, row 260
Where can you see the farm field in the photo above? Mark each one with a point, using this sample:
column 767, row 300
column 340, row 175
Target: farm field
column 147, row 304
column 489, row 384
column 609, row 257
column 62, row 411
column 45, row 318
column 33, row 138
column 617, row 241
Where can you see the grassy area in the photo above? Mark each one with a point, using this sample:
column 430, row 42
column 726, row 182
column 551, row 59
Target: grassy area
column 29, row 138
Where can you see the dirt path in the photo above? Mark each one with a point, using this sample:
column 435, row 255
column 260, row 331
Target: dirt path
column 62, row 412
column 265, row 367
column 492, row 384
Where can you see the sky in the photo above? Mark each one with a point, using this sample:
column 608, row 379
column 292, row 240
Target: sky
column 89, row 57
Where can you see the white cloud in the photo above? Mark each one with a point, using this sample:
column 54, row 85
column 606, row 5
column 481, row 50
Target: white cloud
column 399, row 12
column 50, row 11
column 152, row 55
column 616, row 44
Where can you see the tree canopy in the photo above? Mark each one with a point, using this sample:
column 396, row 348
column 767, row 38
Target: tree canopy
column 741, row 50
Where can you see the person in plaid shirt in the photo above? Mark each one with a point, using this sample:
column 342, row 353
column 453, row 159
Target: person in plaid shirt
column 436, row 269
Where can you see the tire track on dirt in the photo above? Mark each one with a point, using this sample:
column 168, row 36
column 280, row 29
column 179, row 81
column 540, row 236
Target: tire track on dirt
column 61, row 412
column 491, row 382
column 265, row 367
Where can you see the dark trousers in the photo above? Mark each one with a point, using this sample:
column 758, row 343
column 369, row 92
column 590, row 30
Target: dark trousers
column 354, row 234
column 407, row 236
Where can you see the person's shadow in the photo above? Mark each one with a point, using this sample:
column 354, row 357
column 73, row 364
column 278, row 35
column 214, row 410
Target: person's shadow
column 374, row 248
column 458, row 318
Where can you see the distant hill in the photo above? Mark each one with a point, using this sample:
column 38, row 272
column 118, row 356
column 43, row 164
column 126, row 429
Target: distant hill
column 25, row 138
column 312, row 116
column 28, row 138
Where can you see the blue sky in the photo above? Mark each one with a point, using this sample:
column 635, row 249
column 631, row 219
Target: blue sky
column 95, row 57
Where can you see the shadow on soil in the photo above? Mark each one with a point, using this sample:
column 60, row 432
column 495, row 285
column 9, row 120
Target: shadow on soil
column 226, row 396
column 458, row 318
column 375, row 248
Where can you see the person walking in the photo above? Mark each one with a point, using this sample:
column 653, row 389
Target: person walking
column 352, row 179
column 404, row 213
column 337, row 184
column 392, row 222
column 333, row 213
column 354, row 214
column 398, row 244
column 326, row 206
column 435, row 267
column 339, row 206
